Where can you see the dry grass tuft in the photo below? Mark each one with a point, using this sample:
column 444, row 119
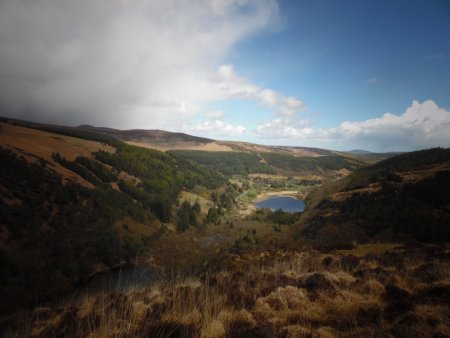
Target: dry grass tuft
column 281, row 294
column 324, row 332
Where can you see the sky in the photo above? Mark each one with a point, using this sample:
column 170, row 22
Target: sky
column 335, row 74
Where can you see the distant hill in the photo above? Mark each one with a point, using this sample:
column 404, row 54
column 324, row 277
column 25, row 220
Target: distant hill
column 282, row 163
column 359, row 152
column 370, row 157
column 227, row 157
column 157, row 136
column 166, row 140
column 405, row 196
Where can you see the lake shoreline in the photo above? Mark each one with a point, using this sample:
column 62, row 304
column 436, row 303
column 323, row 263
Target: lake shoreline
column 283, row 202
column 248, row 207
column 267, row 194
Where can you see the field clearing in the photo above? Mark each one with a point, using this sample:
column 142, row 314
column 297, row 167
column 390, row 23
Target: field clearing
column 191, row 197
column 219, row 146
column 252, row 147
column 213, row 146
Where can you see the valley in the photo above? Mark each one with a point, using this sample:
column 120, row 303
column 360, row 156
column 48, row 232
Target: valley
column 224, row 169
column 368, row 255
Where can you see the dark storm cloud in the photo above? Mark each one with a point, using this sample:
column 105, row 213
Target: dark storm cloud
column 117, row 63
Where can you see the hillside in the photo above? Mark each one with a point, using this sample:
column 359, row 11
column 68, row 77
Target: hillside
column 166, row 140
column 72, row 207
column 159, row 139
column 35, row 145
column 87, row 196
column 405, row 196
column 245, row 163
column 80, row 203
column 227, row 157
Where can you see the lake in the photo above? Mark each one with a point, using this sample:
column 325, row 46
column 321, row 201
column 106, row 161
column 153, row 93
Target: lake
column 285, row 203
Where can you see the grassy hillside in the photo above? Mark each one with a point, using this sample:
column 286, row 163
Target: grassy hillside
column 405, row 196
column 65, row 216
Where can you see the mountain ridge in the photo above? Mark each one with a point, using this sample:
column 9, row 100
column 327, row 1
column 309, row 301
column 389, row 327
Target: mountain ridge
column 167, row 140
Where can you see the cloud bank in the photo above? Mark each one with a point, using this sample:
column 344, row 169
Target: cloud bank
column 157, row 63
column 422, row 125
column 227, row 84
column 125, row 63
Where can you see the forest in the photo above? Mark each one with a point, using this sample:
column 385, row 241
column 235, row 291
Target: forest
column 415, row 209
column 60, row 232
column 244, row 163
column 228, row 163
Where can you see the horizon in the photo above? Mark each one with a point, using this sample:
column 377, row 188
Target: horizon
column 12, row 119
column 331, row 75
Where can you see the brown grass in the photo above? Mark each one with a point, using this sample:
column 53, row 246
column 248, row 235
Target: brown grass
column 369, row 248
column 223, row 146
column 36, row 144
column 270, row 294
column 185, row 145
column 341, row 196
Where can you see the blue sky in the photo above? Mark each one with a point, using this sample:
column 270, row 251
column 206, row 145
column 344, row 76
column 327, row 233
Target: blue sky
column 349, row 60
column 327, row 52
column 338, row 74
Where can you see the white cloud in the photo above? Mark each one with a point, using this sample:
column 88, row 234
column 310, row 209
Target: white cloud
column 289, row 106
column 225, row 73
column 133, row 63
column 284, row 129
column 226, row 84
column 422, row 125
column 372, row 80
column 215, row 115
column 216, row 128
column 229, row 85
column 268, row 97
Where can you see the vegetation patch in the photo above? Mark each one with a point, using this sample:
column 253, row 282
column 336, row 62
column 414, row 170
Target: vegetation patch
column 397, row 209
column 264, row 294
column 228, row 163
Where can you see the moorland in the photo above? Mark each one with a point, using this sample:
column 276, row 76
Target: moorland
column 368, row 257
